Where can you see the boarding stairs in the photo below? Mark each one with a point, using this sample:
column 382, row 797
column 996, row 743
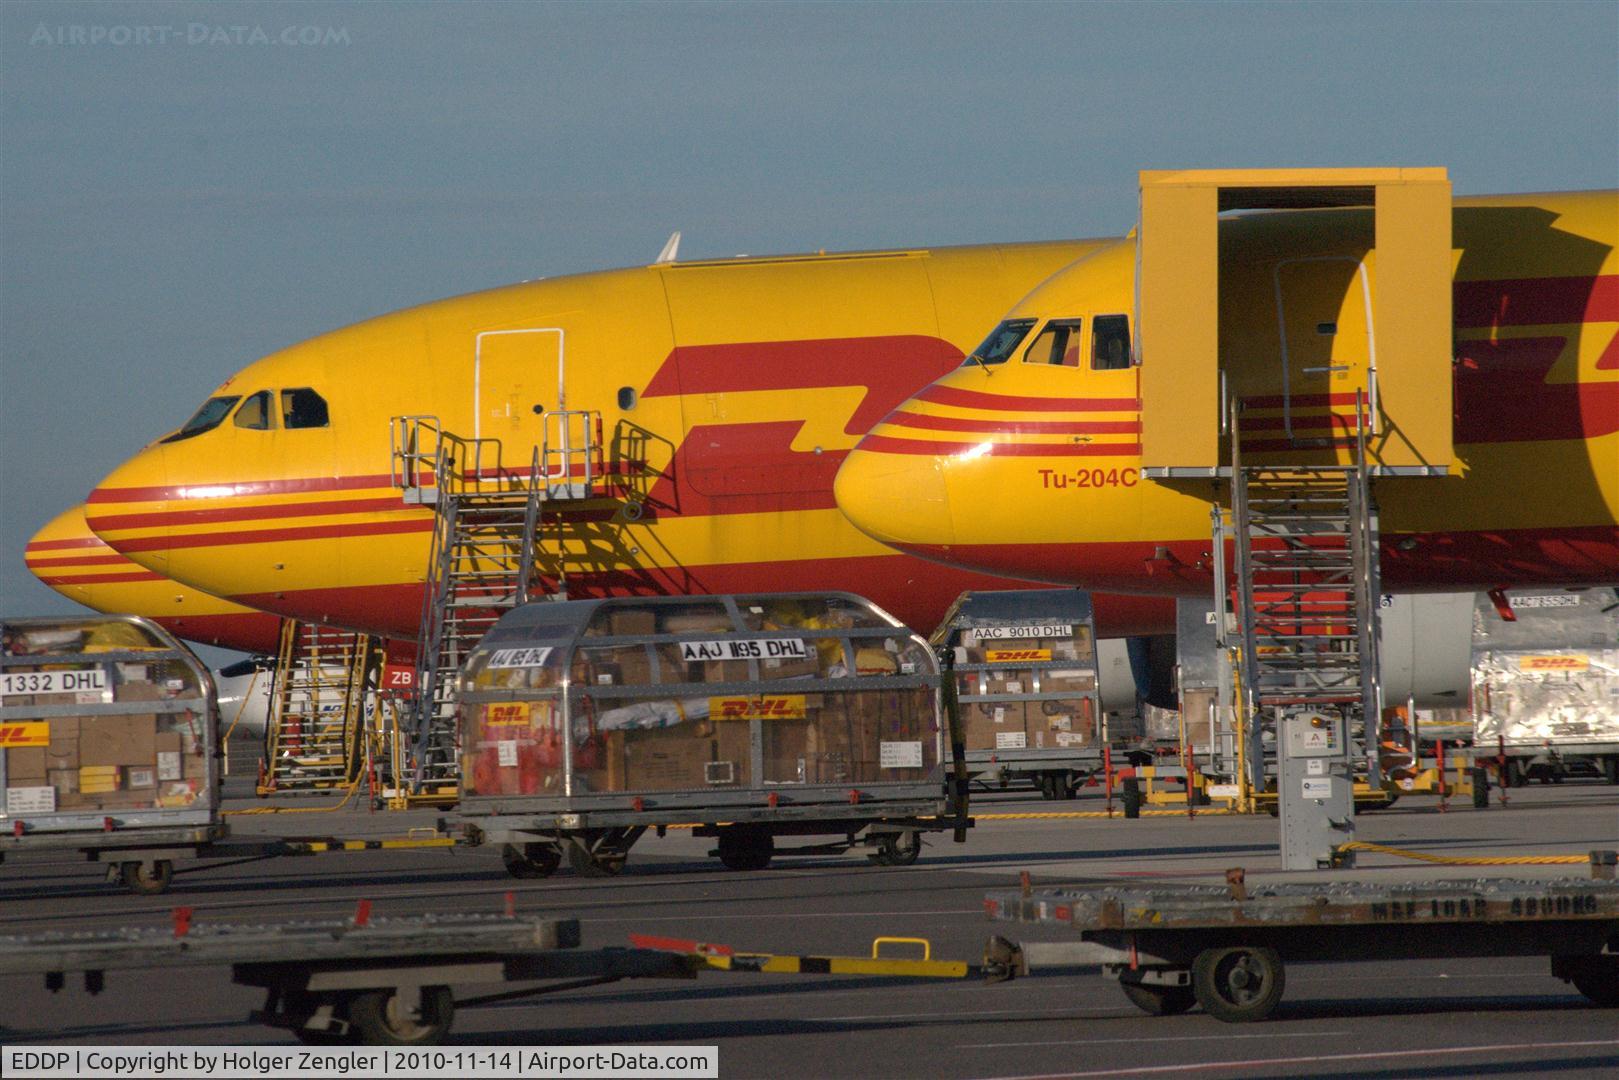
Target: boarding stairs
column 316, row 727
column 491, row 529
column 1305, row 584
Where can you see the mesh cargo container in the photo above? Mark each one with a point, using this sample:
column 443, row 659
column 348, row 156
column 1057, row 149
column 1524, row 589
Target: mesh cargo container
column 584, row 723
column 110, row 734
column 1026, row 678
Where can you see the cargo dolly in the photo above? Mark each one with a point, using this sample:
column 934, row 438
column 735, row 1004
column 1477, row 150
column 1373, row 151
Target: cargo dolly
column 1172, row 946
column 142, row 859
column 387, row 981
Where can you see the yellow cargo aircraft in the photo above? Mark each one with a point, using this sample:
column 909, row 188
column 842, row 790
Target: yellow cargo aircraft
column 77, row 563
column 729, row 392
column 1027, row 459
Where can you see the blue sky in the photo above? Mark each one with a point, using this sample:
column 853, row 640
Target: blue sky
column 175, row 205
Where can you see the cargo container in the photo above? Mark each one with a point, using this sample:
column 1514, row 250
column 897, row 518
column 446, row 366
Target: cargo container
column 1546, row 683
column 584, row 723
column 109, row 729
column 1027, row 681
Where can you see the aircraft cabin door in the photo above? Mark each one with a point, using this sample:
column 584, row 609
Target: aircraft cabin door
column 515, row 373
column 1324, row 316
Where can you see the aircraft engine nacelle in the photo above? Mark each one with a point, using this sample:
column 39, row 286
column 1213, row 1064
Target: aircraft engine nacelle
column 1427, row 650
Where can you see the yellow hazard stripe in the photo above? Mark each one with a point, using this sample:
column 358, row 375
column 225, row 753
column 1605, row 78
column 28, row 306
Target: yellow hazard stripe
column 839, row 965
column 1200, row 811
column 372, row 845
column 1469, row 860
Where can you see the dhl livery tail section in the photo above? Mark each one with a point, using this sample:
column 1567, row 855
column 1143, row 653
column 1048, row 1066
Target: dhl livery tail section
column 1031, row 459
column 729, row 392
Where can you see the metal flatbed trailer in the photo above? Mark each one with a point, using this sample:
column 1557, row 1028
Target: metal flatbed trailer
column 388, row 981
column 1225, row 948
column 143, row 859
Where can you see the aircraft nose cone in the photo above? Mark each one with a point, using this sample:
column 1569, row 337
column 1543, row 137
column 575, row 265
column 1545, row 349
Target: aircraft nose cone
column 128, row 508
column 896, row 499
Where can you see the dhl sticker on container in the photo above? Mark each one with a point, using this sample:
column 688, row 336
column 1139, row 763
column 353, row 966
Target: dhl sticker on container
column 509, row 714
column 1554, row 663
column 33, row 733
column 1008, row 656
column 763, row 707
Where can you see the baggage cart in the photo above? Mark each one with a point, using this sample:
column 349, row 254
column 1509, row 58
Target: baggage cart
column 747, row 718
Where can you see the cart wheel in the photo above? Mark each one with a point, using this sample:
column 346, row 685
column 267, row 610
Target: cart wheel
column 746, row 849
column 1132, row 797
column 1517, row 775
column 1238, row 983
column 894, row 850
column 1047, row 784
column 382, row 1019
column 1610, row 769
column 144, row 882
column 1159, row 1000
column 531, row 860
column 1481, row 788
column 1597, row 977
column 593, row 862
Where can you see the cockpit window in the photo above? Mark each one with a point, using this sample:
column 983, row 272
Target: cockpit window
column 1111, row 350
column 255, row 412
column 1057, row 344
column 1001, row 342
column 210, row 416
column 303, row 408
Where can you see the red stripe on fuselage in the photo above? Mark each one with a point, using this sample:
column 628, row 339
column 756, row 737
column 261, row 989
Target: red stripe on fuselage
column 973, row 399
column 238, row 489
column 265, row 536
column 100, row 579
column 61, row 545
column 883, row 444
column 924, row 422
column 210, row 515
column 109, row 559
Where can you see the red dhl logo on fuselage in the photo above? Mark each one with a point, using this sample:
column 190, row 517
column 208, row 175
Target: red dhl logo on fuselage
column 777, row 707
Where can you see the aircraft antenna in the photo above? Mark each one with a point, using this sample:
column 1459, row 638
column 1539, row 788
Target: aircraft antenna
column 671, row 248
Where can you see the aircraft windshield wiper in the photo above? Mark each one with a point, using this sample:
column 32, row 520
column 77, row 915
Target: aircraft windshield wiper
column 980, row 361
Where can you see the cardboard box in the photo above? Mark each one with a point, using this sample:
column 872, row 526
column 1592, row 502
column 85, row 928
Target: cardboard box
column 194, row 767
column 170, row 757
column 697, row 622
column 65, row 781
column 790, row 669
column 118, row 740
column 786, row 751
column 666, row 759
column 140, row 690
column 632, row 622
column 726, row 671
column 635, row 667
column 25, row 766
column 99, row 779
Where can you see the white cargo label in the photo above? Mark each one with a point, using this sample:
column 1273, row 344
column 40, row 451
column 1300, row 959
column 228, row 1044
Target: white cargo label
column 1558, row 600
column 31, row 800
column 1020, row 633
column 1224, row 791
column 1070, row 738
column 1011, row 740
column 507, row 658
column 900, row 755
column 755, row 649
column 1014, row 687
column 1316, row 767
column 53, row 682
column 168, row 765
column 507, row 751
column 1317, row 789
column 1000, row 715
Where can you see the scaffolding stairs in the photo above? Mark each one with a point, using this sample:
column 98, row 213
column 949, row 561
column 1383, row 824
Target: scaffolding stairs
column 1305, row 587
column 490, row 529
column 315, row 732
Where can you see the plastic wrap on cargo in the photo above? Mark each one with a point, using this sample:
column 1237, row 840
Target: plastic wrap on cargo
column 1546, row 696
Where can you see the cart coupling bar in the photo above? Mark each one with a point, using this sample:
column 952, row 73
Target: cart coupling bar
column 316, row 847
column 722, row 958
